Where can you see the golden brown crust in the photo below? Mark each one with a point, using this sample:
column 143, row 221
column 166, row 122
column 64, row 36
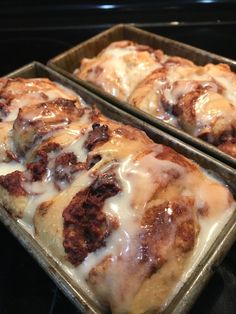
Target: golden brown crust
column 18, row 92
column 113, row 74
column 6, row 147
column 35, row 121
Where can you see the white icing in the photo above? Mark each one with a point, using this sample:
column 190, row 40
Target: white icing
column 207, row 77
column 36, row 94
column 77, row 147
column 133, row 175
column 209, row 230
column 123, row 69
column 8, row 167
column 39, row 193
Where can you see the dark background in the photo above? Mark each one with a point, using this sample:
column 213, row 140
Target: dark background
column 38, row 30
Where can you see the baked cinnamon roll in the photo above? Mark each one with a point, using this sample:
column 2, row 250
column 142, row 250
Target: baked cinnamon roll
column 197, row 99
column 125, row 217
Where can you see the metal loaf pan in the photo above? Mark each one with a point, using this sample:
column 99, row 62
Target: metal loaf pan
column 190, row 290
column 68, row 61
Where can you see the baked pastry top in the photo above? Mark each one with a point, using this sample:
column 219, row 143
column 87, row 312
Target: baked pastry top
column 127, row 218
column 200, row 100
column 119, row 67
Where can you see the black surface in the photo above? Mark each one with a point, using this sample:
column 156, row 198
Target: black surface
column 40, row 31
column 19, row 14
column 20, row 47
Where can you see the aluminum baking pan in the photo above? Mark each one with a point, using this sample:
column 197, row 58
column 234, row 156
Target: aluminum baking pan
column 190, row 290
column 68, row 61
